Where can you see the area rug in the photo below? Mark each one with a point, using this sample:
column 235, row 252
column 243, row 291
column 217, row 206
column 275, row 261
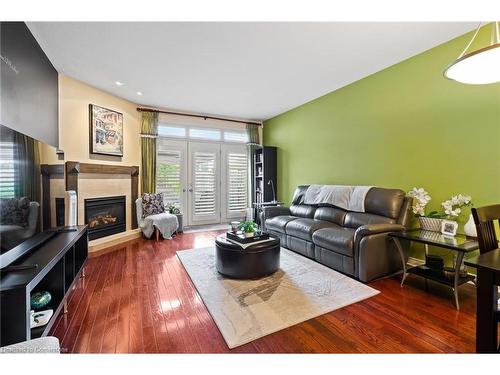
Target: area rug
column 245, row 310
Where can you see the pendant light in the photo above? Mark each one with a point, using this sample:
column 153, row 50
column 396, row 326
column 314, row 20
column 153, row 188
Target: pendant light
column 478, row 67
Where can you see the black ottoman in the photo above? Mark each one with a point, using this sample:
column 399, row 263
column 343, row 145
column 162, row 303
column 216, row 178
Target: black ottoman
column 254, row 262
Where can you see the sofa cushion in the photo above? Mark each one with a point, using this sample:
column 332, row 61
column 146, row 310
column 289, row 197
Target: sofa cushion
column 384, row 202
column 357, row 219
column 278, row 223
column 304, row 227
column 302, row 210
column 333, row 214
column 337, row 238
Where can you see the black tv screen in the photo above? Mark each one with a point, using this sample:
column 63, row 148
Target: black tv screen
column 28, row 85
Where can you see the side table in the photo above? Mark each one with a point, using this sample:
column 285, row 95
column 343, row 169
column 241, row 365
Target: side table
column 180, row 228
column 459, row 243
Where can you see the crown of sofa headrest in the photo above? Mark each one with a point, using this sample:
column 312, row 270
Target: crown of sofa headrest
column 378, row 201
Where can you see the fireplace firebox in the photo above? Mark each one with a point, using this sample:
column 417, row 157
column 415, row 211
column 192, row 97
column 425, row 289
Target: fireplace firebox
column 105, row 216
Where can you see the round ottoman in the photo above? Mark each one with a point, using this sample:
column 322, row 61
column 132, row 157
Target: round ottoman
column 254, row 262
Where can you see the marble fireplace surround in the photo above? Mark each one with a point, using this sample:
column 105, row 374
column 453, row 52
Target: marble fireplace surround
column 111, row 176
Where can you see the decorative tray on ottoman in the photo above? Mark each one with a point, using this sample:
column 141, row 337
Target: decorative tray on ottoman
column 239, row 237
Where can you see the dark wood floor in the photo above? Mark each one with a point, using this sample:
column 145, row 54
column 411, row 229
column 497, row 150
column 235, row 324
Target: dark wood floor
column 137, row 298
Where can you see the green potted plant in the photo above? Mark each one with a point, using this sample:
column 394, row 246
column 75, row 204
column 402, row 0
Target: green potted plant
column 248, row 228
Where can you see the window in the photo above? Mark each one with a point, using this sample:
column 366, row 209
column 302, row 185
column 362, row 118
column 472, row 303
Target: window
column 168, row 176
column 7, row 178
column 208, row 134
column 237, row 181
column 172, row 131
column 205, row 179
column 235, row 136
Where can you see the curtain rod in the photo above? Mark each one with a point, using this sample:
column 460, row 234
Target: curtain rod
column 141, row 109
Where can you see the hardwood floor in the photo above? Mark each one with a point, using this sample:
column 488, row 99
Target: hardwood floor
column 137, row 298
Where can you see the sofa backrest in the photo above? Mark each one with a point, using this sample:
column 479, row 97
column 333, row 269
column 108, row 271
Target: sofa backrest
column 298, row 208
column 334, row 214
column 382, row 206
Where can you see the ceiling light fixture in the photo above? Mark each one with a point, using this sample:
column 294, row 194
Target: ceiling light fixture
column 118, row 83
column 139, row 93
column 478, row 67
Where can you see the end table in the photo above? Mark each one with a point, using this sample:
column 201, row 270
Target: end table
column 459, row 243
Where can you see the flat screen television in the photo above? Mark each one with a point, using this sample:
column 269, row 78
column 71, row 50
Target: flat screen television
column 29, row 90
column 28, row 137
column 21, row 203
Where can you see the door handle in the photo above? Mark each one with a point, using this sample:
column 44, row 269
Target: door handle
column 190, row 190
column 184, row 190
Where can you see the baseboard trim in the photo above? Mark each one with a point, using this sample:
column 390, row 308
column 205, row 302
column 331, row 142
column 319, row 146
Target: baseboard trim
column 115, row 239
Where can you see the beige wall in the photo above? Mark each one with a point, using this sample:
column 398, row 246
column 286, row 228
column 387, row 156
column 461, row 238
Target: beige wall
column 74, row 100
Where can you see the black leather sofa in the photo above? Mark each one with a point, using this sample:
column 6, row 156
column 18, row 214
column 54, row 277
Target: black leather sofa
column 354, row 243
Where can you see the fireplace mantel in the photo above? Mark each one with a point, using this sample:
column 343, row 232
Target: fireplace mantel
column 74, row 168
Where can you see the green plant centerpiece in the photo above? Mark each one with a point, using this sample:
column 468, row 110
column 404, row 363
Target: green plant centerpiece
column 248, row 228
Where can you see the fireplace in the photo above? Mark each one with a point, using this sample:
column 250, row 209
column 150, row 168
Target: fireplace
column 105, row 216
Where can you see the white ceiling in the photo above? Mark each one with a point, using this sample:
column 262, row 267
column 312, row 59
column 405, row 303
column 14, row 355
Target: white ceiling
column 242, row 70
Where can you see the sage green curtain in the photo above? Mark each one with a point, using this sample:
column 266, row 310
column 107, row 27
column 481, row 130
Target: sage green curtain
column 149, row 134
column 253, row 143
column 27, row 168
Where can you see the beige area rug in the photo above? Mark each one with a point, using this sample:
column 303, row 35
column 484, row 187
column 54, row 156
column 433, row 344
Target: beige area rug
column 245, row 310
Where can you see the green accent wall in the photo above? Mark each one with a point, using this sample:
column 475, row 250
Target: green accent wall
column 402, row 127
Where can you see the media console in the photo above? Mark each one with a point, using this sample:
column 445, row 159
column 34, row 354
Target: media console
column 59, row 262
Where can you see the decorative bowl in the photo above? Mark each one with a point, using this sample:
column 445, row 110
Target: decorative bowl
column 430, row 223
column 40, row 300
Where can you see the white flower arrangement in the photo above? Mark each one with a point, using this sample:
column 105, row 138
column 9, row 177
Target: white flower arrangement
column 420, row 198
column 453, row 206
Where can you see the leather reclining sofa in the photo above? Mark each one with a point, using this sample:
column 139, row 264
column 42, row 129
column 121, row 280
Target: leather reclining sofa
column 354, row 243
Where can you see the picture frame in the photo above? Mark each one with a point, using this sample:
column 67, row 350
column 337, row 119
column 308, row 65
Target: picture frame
column 106, row 131
column 449, row 227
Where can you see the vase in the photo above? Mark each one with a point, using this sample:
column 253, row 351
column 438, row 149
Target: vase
column 248, row 235
column 470, row 227
column 40, row 299
column 430, row 223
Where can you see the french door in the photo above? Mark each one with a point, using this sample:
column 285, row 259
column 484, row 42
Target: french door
column 206, row 180
column 204, row 183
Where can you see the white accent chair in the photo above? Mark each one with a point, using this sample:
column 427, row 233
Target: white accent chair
column 164, row 223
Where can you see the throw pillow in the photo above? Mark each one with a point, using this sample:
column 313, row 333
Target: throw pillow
column 14, row 211
column 152, row 204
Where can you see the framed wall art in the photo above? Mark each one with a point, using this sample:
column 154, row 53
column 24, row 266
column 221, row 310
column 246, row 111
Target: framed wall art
column 106, row 131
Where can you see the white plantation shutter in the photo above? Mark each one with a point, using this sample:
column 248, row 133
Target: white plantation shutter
column 7, row 179
column 204, row 184
column 168, row 176
column 237, row 182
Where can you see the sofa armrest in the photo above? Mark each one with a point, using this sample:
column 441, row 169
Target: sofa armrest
column 375, row 254
column 272, row 211
column 369, row 229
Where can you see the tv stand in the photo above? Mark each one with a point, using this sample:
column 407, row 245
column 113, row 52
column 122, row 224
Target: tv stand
column 19, row 268
column 60, row 260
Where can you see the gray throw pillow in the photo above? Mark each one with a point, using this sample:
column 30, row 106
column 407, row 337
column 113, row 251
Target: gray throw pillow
column 14, row 211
